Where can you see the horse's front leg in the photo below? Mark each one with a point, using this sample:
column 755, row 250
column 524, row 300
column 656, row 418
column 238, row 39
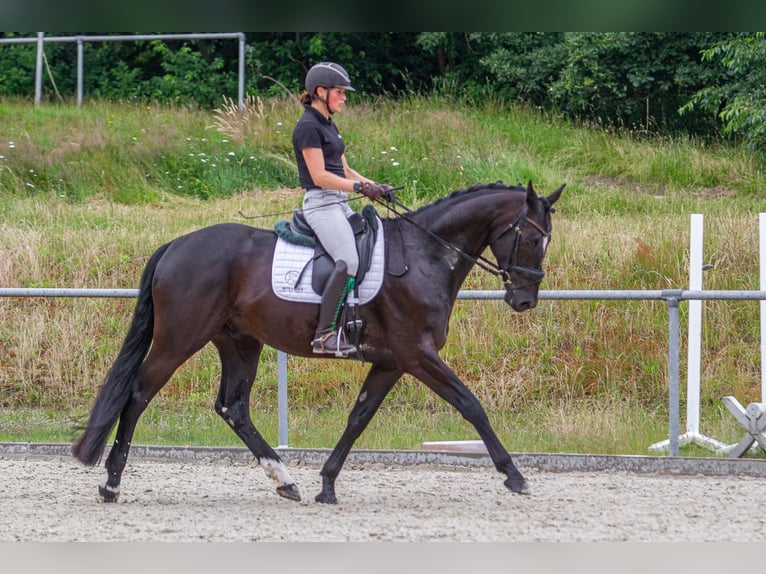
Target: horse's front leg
column 440, row 379
column 375, row 388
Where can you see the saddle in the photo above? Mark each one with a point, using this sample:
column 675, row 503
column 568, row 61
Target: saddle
column 299, row 232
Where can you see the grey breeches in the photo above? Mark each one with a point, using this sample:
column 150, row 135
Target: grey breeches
column 327, row 212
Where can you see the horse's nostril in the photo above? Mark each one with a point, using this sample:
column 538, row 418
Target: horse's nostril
column 524, row 305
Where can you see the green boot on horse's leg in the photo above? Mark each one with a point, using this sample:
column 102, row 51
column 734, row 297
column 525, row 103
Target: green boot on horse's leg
column 327, row 340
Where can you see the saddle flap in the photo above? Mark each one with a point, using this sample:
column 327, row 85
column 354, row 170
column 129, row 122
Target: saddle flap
column 358, row 223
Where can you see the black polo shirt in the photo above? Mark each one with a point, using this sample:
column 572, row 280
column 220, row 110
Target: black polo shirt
column 313, row 130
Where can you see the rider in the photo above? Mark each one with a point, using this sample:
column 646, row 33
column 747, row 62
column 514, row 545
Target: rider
column 327, row 178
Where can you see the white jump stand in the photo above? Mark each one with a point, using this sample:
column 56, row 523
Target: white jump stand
column 753, row 418
column 696, row 268
column 688, row 438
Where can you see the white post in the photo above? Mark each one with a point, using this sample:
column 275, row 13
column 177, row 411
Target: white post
column 738, row 449
column 695, row 327
column 762, row 240
column 692, row 434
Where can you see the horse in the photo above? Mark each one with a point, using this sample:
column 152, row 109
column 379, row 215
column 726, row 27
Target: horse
column 213, row 285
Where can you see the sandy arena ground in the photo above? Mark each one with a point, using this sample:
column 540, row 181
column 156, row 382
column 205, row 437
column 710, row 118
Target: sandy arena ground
column 53, row 498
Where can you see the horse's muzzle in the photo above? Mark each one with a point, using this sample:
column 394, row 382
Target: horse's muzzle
column 522, row 297
column 520, row 300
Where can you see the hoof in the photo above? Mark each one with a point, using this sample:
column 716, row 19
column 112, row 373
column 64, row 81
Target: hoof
column 108, row 495
column 326, row 498
column 517, row 485
column 289, row 491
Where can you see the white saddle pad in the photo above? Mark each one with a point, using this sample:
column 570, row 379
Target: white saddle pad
column 290, row 260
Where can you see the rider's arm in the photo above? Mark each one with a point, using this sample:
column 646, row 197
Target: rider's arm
column 325, row 179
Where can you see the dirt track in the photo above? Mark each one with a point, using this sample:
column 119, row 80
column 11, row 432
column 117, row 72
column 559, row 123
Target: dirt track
column 53, row 498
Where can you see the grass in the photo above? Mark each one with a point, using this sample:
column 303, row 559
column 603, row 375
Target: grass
column 571, row 426
column 87, row 194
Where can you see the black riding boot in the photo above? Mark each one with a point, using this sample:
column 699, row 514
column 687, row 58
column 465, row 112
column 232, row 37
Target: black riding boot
column 327, row 340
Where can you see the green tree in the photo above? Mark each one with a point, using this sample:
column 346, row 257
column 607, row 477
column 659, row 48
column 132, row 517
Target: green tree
column 631, row 79
column 380, row 63
column 739, row 100
column 525, row 65
column 637, row 80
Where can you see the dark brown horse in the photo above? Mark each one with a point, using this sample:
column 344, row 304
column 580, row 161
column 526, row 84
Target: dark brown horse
column 214, row 285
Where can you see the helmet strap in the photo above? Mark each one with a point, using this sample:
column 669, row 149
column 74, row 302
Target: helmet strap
column 325, row 100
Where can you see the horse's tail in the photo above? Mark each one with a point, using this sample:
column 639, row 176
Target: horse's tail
column 120, row 382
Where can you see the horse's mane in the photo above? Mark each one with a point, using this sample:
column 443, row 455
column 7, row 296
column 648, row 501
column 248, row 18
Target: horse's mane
column 466, row 191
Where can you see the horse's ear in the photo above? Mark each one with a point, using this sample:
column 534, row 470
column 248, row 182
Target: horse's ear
column 531, row 196
column 553, row 197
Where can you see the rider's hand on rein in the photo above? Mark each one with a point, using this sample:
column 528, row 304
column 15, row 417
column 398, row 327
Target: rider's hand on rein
column 372, row 190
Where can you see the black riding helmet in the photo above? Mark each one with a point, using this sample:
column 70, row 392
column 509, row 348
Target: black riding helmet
column 328, row 75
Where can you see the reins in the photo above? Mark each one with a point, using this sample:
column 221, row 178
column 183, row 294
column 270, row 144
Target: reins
column 534, row 275
column 481, row 261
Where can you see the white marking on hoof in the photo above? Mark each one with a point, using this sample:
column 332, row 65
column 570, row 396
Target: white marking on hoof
column 276, row 471
column 112, row 489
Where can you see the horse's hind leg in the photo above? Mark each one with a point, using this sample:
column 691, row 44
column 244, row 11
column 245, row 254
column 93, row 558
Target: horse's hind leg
column 154, row 373
column 440, row 379
column 239, row 363
column 375, row 388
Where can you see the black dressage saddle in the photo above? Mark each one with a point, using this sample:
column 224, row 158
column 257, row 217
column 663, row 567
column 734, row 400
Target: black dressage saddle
column 365, row 227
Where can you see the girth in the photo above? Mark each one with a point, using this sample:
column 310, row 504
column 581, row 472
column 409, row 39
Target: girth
column 298, row 231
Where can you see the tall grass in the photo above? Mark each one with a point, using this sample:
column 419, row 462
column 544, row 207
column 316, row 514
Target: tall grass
column 87, row 194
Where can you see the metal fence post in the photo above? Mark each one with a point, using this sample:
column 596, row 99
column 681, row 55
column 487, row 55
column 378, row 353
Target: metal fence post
column 79, row 70
column 672, row 296
column 39, row 69
column 282, row 398
column 241, row 72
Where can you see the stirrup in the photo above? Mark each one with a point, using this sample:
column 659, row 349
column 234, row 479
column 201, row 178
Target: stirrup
column 331, row 343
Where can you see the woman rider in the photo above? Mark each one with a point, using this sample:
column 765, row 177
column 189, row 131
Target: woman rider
column 327, row 178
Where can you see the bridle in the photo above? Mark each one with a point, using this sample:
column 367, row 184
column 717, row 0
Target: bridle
column 534, row 276
column 517, row 227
